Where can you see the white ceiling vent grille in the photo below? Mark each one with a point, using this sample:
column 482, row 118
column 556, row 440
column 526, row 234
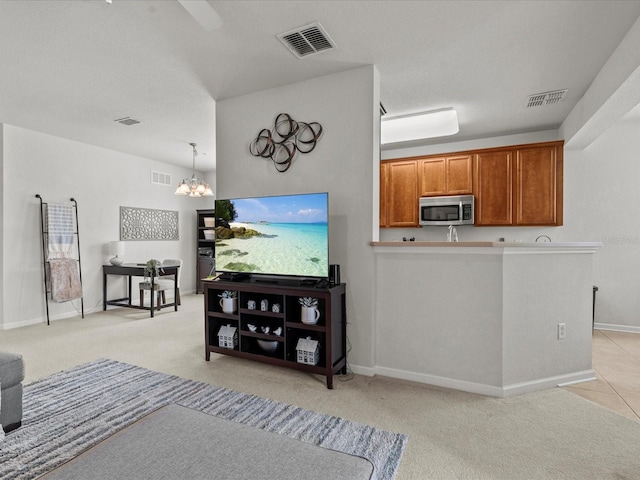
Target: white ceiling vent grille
column 307, row 40
column 546, row 98
column 159, row 178
column 127, row 121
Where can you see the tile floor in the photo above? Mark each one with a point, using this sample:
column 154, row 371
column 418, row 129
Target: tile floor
column 616, row 362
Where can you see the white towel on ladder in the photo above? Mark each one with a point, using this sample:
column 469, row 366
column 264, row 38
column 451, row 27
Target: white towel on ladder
column 60, row 230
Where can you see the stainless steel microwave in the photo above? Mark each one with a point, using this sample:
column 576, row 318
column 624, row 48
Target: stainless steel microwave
column 451, row 210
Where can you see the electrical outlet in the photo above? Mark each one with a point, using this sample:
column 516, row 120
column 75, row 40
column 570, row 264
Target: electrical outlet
column 561, row 330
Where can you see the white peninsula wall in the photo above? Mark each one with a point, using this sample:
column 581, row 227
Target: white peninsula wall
column 483, row 316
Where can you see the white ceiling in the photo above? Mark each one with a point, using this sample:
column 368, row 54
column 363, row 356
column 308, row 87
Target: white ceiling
column 72, row 67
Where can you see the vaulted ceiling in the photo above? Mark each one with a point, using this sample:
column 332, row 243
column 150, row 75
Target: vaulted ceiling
column 70, row 68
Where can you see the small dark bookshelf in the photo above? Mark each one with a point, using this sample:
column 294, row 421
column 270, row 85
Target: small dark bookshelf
column 328, row 335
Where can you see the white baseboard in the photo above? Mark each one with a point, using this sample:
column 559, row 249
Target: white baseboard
column 549, row 382
column 479, row 388
column 589, row 375
column 366, row 371
column 39, row 320
column 465, row 386
column 617, row 328
column 61, row 316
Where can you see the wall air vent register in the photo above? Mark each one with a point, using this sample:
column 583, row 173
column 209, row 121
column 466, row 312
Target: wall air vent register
column 159, row 178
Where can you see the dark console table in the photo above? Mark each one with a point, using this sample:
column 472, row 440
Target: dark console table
column 135, row 270
column 330, row 331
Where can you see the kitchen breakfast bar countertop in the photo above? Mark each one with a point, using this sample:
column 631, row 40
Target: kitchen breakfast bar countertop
column 495, row 318
column 546, row 245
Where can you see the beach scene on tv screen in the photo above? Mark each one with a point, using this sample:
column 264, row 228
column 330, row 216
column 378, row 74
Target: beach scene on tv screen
column 280, row 235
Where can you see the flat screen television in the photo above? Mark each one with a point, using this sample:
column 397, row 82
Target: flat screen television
column 276, row 237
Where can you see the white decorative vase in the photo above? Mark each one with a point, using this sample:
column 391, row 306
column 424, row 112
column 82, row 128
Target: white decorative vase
column 228, row 305
column 117, row 261
column 309, row 315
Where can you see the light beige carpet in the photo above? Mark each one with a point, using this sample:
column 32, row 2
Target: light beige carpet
column 546, row 435
column 452, row 435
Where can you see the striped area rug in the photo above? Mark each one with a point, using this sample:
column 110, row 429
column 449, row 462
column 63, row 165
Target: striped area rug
column 68, row 412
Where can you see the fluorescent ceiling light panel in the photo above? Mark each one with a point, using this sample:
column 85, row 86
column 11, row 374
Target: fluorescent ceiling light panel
column 437, row 123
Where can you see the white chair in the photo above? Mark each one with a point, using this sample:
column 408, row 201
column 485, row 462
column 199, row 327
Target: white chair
column 144, row 286
column 168, row 282
column 160, row 284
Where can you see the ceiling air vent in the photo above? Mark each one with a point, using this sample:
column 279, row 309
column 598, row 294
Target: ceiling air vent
column 307, row 40
column 127, row 121
column 546, row 98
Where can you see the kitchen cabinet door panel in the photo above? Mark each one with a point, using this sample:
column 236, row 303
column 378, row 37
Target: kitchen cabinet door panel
column 492, row 187
column 432, row 177
column 538, row 180
column 401, row 204
column 459, row 175
column 445, row 176
column 384, row 188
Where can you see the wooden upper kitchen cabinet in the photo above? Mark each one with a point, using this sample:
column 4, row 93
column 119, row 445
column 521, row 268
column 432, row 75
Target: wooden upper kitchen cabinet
column 399, row 193
column 519, row 185
column 404, row 181
column 516, row 185
column 384, row 188
column 449, row 175
column 492, row 181
column 538, row 185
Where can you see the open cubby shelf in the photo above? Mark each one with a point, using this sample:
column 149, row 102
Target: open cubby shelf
column 329, row 332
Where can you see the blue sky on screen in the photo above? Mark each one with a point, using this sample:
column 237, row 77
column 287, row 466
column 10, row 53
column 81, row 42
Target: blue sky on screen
column 307, row 208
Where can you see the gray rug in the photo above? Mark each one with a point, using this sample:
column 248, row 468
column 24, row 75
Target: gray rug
column 75, row 409
column 175, row 443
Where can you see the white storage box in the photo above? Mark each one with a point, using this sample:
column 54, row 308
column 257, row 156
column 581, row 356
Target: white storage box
column 308, row 351
column 209, row 222
column 228, row 337
column 209, row 234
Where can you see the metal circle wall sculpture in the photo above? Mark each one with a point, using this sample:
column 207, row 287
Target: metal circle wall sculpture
column 285, row 139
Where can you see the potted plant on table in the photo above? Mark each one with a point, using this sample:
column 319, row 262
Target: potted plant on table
column 152, row 269
column 309, row 313
column 228, row 301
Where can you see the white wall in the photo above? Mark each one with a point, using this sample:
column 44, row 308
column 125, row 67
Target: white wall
column 484, row 319
column 601, row 185
column 2, row 234
column 539, row 292
column 343, row 164
column 429, row 326
column 455, row 146
column 101, row 181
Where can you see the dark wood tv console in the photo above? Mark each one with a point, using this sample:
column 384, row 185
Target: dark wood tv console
column 329, row 332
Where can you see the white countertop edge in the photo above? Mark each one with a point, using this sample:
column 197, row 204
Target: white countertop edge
column 440, row 250
column 564, row 248
column 488, row 248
